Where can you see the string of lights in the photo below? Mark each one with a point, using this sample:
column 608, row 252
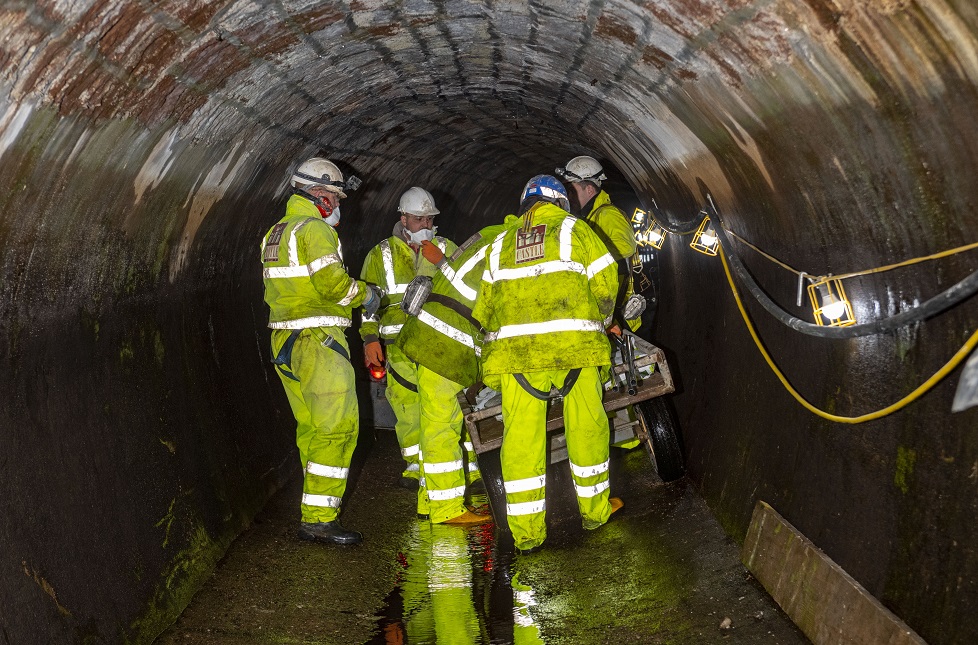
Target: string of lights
column 831, row 307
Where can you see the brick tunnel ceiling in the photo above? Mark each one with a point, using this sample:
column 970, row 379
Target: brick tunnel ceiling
column 476, row 94
column 678, row 97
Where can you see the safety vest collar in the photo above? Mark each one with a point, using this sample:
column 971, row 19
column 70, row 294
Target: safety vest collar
column 299, row 206
column 598, row 202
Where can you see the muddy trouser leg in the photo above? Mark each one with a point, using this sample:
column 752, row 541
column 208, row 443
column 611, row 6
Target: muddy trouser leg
column 524, row 458
column 587, row 431
column 407, row 408
column 324, row 403
column 441, row 429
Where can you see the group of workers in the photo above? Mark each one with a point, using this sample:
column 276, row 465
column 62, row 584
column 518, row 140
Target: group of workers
column 524, row 306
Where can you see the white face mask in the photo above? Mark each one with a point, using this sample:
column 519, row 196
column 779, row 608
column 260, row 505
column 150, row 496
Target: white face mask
column 421, row 235
column 334, row 217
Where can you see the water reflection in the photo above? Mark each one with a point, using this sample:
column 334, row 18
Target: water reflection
column 457, row 587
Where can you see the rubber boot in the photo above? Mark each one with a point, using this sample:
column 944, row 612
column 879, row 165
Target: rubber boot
column 468, row 518
column 328, row 533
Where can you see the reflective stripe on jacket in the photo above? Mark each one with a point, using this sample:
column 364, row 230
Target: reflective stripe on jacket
column 546, row 297
column 392, row 265
column 441, row 338
column 306, row 284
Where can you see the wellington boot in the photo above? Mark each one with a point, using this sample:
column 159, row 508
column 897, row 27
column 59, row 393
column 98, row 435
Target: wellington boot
column 476, row 487
column 328, row 533
column 616, row 505
column 408, row 483
column 468, row 518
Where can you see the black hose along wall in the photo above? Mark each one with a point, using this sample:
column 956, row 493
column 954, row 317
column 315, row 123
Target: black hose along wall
column 144, row 148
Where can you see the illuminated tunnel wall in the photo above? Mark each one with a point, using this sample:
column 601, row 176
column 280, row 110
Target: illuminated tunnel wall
column 144, row 148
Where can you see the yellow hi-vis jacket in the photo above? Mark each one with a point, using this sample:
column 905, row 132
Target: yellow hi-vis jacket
column 615, row 230
column 612, row 226
column 443, row 337
column 547, row 296
column 392, row 265
column 306, row 284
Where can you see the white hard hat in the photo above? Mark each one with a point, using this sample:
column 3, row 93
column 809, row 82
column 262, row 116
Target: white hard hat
column 417, row 201
column 582, row 169
column 319, row 172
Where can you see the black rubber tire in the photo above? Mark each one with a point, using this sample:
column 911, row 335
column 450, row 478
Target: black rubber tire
column 492, row 477
column 667, row 452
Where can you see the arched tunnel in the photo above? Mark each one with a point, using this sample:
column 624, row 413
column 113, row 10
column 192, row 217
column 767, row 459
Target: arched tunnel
column 146, row 149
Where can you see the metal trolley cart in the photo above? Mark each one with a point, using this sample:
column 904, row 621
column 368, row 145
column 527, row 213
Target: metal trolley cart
column 640, row 375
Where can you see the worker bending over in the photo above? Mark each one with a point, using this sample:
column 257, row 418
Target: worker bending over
column 310, row 298
column 445, row 342
column 412, row 250
column 546, row 299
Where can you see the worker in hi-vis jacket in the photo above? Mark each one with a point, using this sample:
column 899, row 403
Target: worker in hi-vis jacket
column 444, row 340
column 584, row 176
column 546, row 299
column 412, row 250
column 310, row 297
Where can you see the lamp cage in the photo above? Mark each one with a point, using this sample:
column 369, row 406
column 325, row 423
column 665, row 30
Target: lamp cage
column 656, row 234
column 830, row 304
column 705, row 239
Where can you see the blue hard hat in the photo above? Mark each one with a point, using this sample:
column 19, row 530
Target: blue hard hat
column 548, row 188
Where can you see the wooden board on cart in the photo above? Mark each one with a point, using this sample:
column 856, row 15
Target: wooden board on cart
column 486, row 429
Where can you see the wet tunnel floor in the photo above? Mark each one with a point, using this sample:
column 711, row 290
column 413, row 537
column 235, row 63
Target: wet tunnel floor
column 661, row 571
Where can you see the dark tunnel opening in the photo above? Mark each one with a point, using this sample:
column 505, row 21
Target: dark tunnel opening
column 145, row 149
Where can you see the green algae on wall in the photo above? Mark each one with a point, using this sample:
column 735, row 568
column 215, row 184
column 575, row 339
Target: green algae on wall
column 187, row 571
column 906, row 459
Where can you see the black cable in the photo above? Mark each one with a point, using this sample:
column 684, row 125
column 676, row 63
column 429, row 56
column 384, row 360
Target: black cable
column 936, row 305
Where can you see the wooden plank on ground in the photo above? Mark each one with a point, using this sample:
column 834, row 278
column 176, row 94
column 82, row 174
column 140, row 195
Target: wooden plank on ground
column 826, row 603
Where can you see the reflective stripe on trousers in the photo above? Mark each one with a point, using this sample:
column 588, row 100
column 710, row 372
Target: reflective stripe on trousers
column 324, row 403
column 524, row 451
column 441, row 455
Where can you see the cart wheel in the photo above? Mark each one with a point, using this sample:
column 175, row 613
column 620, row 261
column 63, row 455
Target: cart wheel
column 492, row 476
column 664, row 439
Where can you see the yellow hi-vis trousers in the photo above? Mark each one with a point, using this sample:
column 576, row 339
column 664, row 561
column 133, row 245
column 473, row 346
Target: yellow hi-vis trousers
column 442, row 468
column 524, row 452
column 407, row 407
column 324, row 402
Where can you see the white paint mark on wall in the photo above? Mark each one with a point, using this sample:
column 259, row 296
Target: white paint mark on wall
column 156, row 166
column 208, row 193
column 749, row 146
column 677, row 146
column 12, row 122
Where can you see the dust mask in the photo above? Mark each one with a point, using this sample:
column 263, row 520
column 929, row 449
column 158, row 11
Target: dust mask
column 334, row 216
column 422, row 235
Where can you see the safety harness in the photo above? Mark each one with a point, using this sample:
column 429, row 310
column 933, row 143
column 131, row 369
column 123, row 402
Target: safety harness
column 455, row 306
column 283, row 361
column 401, row 380
column 554, row 393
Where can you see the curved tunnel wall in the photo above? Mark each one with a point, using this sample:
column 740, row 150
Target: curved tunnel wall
column 144, row 149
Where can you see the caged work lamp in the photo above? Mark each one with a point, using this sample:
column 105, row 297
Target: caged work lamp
column 648, row 232
column 830, row 304
column 705, row 239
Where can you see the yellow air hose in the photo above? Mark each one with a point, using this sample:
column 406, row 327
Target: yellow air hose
column 902, row 403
